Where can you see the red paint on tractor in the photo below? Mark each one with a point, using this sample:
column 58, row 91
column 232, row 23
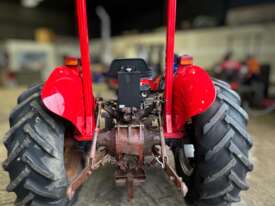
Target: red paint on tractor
column 170, row 40
column 193, row 93
column 68, row 91
column 89, row 101
column 152, row 84
column 62, row 94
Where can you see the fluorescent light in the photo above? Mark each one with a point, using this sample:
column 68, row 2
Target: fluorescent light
column 30, row 3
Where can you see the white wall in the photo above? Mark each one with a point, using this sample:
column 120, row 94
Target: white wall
column 207, row 45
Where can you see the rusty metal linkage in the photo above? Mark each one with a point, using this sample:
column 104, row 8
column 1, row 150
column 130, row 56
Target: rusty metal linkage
column 130, row 156
column 162, row 158
column 129, row 143
column 93, row 162
column 171, row 173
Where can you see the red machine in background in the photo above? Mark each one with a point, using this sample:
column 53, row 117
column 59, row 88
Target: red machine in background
column 57, row 136
column 250, row 79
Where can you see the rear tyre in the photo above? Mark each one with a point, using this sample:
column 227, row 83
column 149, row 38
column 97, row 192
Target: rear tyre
column 222, row 144
column 35, row 145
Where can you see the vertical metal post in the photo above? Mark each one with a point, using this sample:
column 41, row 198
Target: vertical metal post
column 89, row 102
column 170, row 47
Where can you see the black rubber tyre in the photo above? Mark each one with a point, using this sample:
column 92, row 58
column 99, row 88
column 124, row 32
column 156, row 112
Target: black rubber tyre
column 222, row 144
column 35, row 145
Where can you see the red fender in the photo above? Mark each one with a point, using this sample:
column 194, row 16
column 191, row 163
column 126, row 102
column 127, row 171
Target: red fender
column 193, row 93
column 62, row 94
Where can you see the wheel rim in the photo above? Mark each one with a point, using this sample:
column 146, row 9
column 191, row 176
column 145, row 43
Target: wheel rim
column 185, row 163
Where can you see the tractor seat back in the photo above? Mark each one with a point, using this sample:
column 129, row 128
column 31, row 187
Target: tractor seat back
column 129, row 65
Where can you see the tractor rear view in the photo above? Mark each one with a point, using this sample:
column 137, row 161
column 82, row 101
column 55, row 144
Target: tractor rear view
column 60, row 133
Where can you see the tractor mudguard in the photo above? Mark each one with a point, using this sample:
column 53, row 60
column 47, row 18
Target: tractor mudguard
column 193, row 93
column 62, row 94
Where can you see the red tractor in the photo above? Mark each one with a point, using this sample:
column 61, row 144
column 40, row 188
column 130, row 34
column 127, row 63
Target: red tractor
column 58, row 135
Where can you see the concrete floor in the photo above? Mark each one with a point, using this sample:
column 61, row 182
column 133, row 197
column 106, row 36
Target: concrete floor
column 100, row 189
